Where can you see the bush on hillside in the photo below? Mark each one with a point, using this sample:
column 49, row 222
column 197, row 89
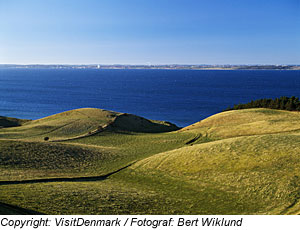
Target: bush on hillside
column 283, row 103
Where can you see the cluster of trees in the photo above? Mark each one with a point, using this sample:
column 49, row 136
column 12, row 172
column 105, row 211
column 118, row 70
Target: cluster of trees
column 283, row 103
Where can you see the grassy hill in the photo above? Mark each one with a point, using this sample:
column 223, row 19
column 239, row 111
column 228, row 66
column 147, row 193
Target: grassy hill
column 245, row 123
column 243, row 175
column 83, row 122
column 235, row 162
column 82, row 142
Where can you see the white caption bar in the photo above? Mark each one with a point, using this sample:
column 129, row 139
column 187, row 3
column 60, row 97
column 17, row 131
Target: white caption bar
column 159, row 222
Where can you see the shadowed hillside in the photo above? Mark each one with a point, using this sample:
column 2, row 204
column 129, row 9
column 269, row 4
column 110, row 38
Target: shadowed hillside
column 132, row 123
column 11, row 122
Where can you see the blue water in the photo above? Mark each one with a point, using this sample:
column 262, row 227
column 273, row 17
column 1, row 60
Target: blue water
column 180, row 96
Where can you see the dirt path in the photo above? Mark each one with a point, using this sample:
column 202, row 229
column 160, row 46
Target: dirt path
column 66, row 179
column 193, row 140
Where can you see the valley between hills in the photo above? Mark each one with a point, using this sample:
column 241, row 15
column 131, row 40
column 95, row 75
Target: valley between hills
column 93, row 161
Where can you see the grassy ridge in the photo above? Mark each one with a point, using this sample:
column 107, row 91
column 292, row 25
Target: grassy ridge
column 63, row 125
column 246, row 123
column 83, row 122
column 235, row 162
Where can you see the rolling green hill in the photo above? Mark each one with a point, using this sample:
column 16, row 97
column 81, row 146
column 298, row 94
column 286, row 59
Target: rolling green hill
column 83, row 122
column 245, row 123
column 81, row 142
column 103, row 162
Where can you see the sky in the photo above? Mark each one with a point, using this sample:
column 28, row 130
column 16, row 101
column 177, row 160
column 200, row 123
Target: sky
column 149, row 32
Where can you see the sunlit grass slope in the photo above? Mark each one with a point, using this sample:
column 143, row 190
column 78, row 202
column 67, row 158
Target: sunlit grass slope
column 235, row 162
column 83, row 122
column 121, row 140
column 253, row 166
column 63, row 125
column 95, row 155
column 243, row 175
column 246, row 122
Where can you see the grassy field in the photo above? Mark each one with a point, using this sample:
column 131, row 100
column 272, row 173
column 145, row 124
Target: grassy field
column 235, row 162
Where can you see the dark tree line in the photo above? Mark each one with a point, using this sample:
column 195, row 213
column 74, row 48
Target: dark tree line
column 283, row 103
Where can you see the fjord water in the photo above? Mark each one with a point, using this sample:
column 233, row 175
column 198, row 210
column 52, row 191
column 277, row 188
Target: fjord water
column 179, row 96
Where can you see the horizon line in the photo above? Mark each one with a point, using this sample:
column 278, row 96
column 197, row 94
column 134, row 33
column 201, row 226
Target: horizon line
column 132, row 64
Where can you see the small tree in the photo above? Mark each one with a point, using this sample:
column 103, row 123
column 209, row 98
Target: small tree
column 46, row 138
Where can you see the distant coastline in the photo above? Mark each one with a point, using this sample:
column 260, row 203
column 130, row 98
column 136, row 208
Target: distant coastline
column 175, row 66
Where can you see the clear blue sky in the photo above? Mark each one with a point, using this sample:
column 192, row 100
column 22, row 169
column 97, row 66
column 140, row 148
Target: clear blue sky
column 150, row 31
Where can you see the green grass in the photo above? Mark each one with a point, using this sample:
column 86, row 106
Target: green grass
column 260, row 173
column 96, row 155
column 59, row 126
column 245, row 123
column 109, row 197
column 82, row 122
column 33, row 160
column 25, row 154
column 235, row 162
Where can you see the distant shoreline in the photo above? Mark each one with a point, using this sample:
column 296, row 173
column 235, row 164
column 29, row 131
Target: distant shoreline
column 167, row 67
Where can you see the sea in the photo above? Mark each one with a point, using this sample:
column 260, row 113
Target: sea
column 182, row 97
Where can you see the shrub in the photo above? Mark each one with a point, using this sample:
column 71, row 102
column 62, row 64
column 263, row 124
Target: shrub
column 283, row 103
